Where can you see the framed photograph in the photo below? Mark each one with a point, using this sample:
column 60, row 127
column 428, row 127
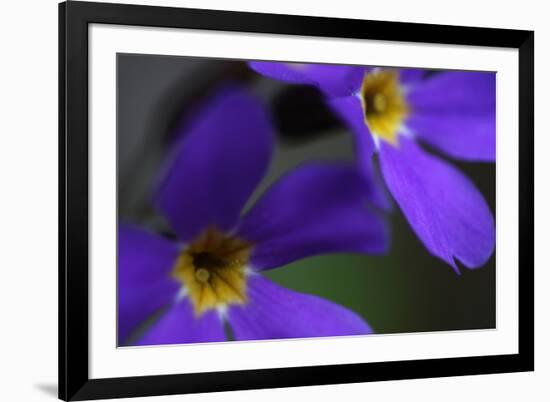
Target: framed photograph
column 257, row 201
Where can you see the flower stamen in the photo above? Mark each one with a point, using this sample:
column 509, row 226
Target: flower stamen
column 379, row 103
column 384, row 104
column 202, row 275
column 212, row 270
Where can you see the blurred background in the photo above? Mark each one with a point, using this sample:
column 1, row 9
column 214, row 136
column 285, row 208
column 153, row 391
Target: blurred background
column 406, row 290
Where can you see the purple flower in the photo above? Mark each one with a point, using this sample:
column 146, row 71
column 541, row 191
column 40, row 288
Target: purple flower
column 389, row 111
column 212, row 274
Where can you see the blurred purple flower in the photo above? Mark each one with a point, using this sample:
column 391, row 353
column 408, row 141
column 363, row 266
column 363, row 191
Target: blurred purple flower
column 388, row 111
column 211, row 275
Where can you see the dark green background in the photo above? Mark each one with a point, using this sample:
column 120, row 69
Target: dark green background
column 406, row 290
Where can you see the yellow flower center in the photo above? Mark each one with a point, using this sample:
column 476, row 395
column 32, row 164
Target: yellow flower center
column 212, row 269
column 384, row 104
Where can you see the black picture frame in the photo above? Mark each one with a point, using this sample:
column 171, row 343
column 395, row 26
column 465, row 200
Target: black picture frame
column 74, row 381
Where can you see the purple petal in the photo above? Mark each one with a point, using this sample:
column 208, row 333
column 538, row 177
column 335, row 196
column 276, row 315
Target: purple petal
column 144, row 284
column 274, row 312
column 287, row 72
column 217, row 165
column 336, row 81
column 455, row 112
column 315, row 209
column 179, row 325
column 333, row 80
column 351, row 111
column 442, row 205
column 411, row 76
